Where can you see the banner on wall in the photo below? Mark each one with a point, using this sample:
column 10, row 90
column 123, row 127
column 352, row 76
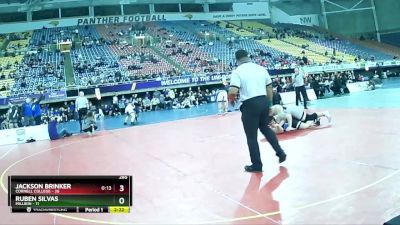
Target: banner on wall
column 157, row 17
column 47, row 97
column 349, row 66
column 330, row 68
column 168, row 17
column 279, row 16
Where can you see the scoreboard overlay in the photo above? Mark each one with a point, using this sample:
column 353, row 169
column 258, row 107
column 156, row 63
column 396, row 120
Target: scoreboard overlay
column 70, row 194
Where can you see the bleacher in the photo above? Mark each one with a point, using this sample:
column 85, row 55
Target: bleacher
column 138, row 62
column 351, row 49
column 10, row 63
column 312, row 46
column 53, row 35
column 42, row 71
column 9, row 67
column 295, row 51
column 345, row 50
column 99, row 57
column 145, row 60
column 195, row 46
column 289, row 45
column 32, row 69
column 253, row 26
column 235, row 29
column 17, row 46
column 183, row 48
column 224, row 51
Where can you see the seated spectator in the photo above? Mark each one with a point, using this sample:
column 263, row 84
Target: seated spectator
column 155, row 102
column 168, row 102
column 185, row 103
column 107, row 110
column 12, row 116
column 276, row 98
column 121, row 105
column 337, row 85
column 146, row 104
column 162, row 101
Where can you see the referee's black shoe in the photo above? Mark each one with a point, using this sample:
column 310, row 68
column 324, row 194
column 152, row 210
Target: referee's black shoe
column 282, row 157
column 252, row 169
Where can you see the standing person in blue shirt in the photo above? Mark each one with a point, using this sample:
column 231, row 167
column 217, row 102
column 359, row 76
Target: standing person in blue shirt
column 27, row 113
column 36, row 110
column 54, row 132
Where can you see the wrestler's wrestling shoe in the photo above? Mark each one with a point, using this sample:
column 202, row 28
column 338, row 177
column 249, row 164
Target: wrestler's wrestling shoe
column 328, row 116
column 318, row 122
column 252, row 169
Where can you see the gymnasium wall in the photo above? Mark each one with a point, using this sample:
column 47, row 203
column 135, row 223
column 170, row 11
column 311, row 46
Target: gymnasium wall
column 388, row 13
column 239, row 11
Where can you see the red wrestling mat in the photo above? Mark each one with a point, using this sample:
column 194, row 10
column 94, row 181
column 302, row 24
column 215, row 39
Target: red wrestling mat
column 191, row 172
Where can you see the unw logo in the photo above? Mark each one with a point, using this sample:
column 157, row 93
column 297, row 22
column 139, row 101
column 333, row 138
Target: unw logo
column 305, row 20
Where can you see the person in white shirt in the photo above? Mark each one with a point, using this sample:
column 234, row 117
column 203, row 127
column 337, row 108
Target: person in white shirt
column 130, row 114
column 155, row 104
column 298, row 83
column 81, row 106
column 115, row 104
column 171, row 94
column 255, row 86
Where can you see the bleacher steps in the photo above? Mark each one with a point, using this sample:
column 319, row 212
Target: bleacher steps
column 168, row 59
column 68, row 69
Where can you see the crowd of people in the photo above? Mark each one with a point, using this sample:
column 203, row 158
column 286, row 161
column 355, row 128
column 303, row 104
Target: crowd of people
column 32, row 112
column 327, row 83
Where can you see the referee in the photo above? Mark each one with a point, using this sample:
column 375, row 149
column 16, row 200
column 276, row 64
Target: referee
column 255, row 86
column 298, row 83
column 82, row 106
